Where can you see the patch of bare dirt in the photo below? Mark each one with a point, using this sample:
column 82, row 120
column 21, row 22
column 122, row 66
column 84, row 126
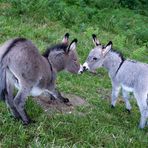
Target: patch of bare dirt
column 59, row 107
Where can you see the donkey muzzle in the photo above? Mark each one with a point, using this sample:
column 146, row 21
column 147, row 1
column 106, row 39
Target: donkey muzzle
column 80, row 70
column 85, row 67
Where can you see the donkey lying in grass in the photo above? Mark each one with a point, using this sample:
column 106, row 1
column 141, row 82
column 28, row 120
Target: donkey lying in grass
column 22, row 66
column 132, row 76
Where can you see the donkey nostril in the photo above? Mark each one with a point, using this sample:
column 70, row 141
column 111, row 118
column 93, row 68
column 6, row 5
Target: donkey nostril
column 84, row 68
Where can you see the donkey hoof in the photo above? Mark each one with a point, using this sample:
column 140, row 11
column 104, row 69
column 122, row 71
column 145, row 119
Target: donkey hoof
column 29, row 121
column 112, row 106
column 52, row 97
column 25, row 123
column 65, row 100
column 141, row 127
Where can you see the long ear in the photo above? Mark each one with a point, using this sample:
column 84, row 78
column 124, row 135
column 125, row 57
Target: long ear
column 95, row 40
column 65, row 39
column 107, row 48
column 72, row 45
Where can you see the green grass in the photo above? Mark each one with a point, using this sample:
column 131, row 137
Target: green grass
column 100, row 126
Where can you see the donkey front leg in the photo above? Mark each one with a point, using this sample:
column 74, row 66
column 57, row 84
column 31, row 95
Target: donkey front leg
column 56, row 94
column 115, row 92
column 125, row 95
column 19, row 102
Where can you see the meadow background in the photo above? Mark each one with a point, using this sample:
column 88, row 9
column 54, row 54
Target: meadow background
column 125, row 22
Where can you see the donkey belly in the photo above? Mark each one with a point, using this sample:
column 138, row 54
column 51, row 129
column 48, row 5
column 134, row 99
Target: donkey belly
column 36, row 91
column 127, row 88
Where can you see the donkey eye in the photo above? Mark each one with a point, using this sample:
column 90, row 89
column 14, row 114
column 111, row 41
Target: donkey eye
column 95, row 58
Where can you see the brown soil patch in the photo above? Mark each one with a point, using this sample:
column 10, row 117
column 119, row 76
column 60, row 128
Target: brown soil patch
column 59, row 107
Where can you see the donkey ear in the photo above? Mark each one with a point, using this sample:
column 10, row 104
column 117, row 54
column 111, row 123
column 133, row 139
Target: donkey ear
column 65, row 39
column 107, row 48
column 72, row 45
column 95, row 40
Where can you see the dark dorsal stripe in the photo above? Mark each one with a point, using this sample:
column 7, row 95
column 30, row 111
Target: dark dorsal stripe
column 49, row 64
column 51, row 68
column 122, row 59
column 119, row 67
column 57, row 47
column 119, row 53
column 12, row 45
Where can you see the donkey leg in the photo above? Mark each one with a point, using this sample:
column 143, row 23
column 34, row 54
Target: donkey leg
column 143, row 106
column 19, row 102
column 56, row 94
column 13, row 110
column 125, row 95
column 9, row 97
column 143, row 118
column 115, row 92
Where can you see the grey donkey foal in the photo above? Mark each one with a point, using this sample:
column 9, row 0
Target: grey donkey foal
column 22, row 66
column 131, row 76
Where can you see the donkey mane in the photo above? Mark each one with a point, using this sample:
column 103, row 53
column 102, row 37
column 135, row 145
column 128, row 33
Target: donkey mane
column 57, row 47
column 119, row 54
column 13, row 43
column 122, row 59
column 115, row 51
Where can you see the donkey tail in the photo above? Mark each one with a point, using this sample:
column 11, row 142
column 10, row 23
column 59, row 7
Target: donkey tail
column 2, row 82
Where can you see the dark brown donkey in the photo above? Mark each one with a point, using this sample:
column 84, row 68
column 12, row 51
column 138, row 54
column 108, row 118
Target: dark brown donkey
column 23, row 67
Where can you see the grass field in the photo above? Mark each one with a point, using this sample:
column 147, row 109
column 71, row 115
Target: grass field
column 45, row 22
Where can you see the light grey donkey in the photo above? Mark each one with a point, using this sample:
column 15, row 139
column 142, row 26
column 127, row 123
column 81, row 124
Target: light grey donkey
column 22, row 66
column 131, row 76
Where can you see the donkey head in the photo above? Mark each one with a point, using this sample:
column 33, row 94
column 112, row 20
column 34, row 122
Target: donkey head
column 97, row 55
column 64, row 56
column 71, row 58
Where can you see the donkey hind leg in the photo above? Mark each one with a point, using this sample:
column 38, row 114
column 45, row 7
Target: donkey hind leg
column 125, row 95
column 57, row 95
column 115, row 92
column 19, row 102
column 143, row 106
column 9, row 100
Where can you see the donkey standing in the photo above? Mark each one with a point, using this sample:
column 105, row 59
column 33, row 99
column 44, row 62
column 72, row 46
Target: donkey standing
column 22, row 66
column 132, row 76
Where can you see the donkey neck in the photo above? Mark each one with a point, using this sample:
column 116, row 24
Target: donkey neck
column 113, row 62
column 55, row 55
column 50, row 65
column 57, row 60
